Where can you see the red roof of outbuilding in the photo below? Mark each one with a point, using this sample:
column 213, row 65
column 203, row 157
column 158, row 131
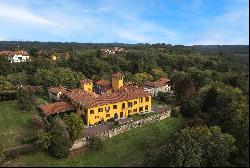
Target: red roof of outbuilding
column 158, row 83
column 56, row 90
column 58, row 107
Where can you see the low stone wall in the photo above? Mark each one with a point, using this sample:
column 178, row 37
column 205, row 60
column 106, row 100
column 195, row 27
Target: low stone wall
column 79, row 143
column 13, row 152
column 126, row 127
column 135, row 124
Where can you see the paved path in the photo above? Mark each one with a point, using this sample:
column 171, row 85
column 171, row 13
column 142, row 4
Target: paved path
column 92, row 130
column 160, row 109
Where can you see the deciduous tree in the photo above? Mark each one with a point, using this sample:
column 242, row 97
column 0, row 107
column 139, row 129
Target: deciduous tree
column 74, row 125
column 61, row 142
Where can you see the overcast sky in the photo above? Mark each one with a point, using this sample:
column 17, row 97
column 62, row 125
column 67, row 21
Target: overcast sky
column 184, row 22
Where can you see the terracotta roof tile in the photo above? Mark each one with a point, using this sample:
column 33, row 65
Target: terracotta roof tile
column 56, row 90
column 103, row 82
column 89, row 100
column 12, row 53
column 158, row 83
column 58, row 107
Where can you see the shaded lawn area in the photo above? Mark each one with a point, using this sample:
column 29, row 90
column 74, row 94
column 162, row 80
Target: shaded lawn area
column 125, row 149
column 156, row 102
column 13, row 123
column 41, row 100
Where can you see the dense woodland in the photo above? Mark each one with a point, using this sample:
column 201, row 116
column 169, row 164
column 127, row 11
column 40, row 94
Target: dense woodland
column 210, row 85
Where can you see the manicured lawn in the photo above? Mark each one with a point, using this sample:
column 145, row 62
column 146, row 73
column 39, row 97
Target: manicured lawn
column 127, row 149
column 13, row 123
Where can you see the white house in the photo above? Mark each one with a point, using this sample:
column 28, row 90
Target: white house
column 19, row 58
column 160, row 85
column 16, row 56
column 55, row 93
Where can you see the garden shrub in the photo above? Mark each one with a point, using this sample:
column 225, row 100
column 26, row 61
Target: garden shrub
column 61, row 141
column 44, row 139
column 2, row 156
column 175, row 113
column 36, row 122
column 74, row 125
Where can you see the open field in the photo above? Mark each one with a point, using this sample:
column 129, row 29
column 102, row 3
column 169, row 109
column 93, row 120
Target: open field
column 127, row 149
column 13, row 123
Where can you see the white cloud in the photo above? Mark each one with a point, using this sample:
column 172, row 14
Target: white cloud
column 23, row 16
column 230, row 28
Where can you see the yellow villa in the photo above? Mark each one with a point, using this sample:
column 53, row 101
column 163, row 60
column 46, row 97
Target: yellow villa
column 124, row 100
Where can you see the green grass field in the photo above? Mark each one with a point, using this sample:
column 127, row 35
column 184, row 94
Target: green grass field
column 127, row 149
column 13, row 123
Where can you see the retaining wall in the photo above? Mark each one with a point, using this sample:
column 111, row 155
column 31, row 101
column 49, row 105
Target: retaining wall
column 126, row 127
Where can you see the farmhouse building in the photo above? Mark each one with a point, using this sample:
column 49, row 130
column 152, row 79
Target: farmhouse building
column 16, row 56
column 160, row 85
column 94, row 107
column 56, row 93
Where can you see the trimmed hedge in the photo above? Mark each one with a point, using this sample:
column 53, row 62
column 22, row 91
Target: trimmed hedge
column 8, row 95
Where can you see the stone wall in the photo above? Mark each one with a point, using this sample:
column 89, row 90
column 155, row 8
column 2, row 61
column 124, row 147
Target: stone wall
column 126, row 127
column 135, row 124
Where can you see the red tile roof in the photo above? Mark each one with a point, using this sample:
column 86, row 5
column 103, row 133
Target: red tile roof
column 56, row 90
column 58, row 107
column 158, row 83
column 89, row 100
column 12, row 53
column 103, row 82
column 6, row 53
